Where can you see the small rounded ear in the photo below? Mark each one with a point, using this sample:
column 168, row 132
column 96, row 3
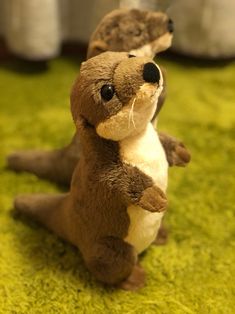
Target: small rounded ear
column 85, row 130
column 96, row 47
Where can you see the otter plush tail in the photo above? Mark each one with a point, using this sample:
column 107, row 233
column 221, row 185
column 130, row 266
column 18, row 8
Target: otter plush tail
column 46, row 209
column 56, row 165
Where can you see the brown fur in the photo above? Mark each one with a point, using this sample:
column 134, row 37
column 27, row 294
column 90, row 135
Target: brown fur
column 121, row 30
column 93, row 216
column 126, row 30
column 176, row 152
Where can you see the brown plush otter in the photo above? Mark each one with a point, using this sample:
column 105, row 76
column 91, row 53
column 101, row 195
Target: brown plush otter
column 117, row 197
column 141, row 33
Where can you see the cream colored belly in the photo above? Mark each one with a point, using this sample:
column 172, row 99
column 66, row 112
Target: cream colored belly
column 143, row 228
column 146, row 153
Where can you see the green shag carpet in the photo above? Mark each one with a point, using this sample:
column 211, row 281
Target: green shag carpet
column 195, row 271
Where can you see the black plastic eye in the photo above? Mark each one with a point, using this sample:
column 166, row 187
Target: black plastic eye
column 107, row 92
column 131, row 56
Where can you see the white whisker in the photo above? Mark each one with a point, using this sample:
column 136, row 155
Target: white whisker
column 131, row 114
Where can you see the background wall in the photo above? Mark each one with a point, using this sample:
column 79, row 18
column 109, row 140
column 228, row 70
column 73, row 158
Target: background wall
column 36, row 29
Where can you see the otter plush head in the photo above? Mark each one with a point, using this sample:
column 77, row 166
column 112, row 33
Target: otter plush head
column 116, row 93
column 143, row 33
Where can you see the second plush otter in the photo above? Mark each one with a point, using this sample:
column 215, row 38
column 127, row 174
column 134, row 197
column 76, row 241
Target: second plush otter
column 117, row 197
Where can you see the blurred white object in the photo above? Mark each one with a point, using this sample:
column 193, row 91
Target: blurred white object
column 79, row 18
column 146, row 4
column 204, row 28
column 35, row 29
column 32, row 27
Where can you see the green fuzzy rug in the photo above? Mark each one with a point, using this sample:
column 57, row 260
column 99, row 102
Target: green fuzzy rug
column 195, row 271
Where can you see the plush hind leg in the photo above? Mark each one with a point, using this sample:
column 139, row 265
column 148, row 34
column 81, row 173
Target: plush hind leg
column 56, row 165
column 113, row 261
column 50, row 210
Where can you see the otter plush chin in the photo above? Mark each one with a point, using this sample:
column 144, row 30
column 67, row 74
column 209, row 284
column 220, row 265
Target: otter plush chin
column 138, row 111
column 117, row 196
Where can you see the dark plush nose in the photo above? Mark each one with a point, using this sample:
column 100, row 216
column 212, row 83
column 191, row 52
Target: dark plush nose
column 151, row 73
column 170, row 26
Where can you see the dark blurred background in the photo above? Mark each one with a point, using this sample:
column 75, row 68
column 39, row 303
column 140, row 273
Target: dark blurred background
column 37, row 29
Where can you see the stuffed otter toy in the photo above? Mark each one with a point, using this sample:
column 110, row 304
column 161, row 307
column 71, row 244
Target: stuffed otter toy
column 117, row 196
column 142, row 33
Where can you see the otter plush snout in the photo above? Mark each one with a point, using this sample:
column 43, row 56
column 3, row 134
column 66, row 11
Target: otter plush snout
column 123, row 94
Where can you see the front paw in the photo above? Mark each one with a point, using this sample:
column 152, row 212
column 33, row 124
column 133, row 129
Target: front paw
column 176, row 153
column 179, row 155
column 153, row 200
